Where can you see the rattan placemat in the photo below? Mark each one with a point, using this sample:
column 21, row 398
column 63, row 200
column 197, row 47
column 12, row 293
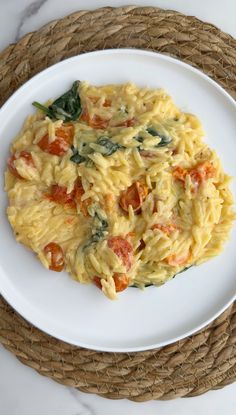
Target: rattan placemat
column 189, row 367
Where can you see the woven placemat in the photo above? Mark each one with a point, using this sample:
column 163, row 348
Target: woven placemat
column 189, row 367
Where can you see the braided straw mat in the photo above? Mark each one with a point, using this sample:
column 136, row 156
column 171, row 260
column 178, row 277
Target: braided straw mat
column 190, row 367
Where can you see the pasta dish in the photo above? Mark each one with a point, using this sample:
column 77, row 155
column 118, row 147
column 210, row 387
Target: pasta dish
column 115, row 185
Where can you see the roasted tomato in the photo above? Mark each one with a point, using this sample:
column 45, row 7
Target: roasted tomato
column 59, row 195
column 62, row 142
column 26, row 156
column 202, row 172
column 175, row 260
column 78, row 193
column 167, row 229
column 121, row 281
column 97, row 282
column 123, row 249
column 95, row 122
column 106, row 103
column 55, row 256
column 198, row 174
column 179, row 174
column 134, row 196
column 126, row 123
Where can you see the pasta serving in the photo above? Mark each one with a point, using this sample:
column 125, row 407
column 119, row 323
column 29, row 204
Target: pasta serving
column 115, row 185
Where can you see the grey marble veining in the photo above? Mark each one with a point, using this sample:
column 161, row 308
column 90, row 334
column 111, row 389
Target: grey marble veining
column 30, row 11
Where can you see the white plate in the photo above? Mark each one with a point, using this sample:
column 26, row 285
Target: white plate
column 139, row 320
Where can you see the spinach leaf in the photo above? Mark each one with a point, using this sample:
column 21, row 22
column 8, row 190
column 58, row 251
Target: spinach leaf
column 139, row 139
column 67, row 107
column 76, row 157
column 109, row 145
column 150, row 284
column 165, row 139
column 100, row 229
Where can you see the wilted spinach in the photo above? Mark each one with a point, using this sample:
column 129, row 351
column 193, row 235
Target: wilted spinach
column 76, row 157
column 180, row 272
column 101, row 226
column 109, row 145
column 67, row 107
column 165, row 139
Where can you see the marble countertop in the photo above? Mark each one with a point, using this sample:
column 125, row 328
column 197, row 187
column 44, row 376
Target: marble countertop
column 22, row 390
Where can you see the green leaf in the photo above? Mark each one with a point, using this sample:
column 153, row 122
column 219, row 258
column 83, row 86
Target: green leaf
column 165, row 139
column 109, row 145
column 67, row 107
column 76, row 157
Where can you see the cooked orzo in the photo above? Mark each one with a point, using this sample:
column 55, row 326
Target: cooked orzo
column 115, row 185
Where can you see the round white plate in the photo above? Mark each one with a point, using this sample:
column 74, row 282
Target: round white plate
column 139, row 320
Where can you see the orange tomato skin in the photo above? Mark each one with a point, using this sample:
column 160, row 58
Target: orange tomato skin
column 78, row 193
column 123, row 249
column 127, row 123
column 95, row 122
column 98, row 123
column 174, row 260
column 202, row 172
column 107, row 103
column 62, row 142
column 26, row 156
column 97, row 282
column 134, row 196
column 59, row 195
column 121, row 281
column 198, row 174
column 57, row 257
column 167, row 229
column 179, row 174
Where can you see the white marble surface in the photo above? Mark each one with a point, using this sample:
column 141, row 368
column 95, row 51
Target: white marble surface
column 23, row 391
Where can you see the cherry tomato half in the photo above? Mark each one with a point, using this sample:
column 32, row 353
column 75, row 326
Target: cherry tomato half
column 123, row 249
column 26, row 156
column 62, row 142
column 134, row 196
column 54, row 252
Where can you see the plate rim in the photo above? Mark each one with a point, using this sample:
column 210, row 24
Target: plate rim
column 17, row 305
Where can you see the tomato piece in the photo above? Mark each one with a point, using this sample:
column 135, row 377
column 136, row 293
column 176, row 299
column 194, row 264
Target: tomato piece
column 107, row 103
column 85, row 115
column 198, row 174
column 174, row 260
column 97, row 282
column 121, row 281
column 126, row 123
column 134, row 196
column 54, row 252
column 62, row 142
column 78, row 193
column 98, row 123
column 123, row 249
column 95, row 122
column 27, row 157
column 179, row 173
column 59, row 195
column 202, row 172
column 167, row 229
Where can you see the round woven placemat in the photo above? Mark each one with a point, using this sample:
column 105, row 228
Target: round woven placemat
column 189, row 367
